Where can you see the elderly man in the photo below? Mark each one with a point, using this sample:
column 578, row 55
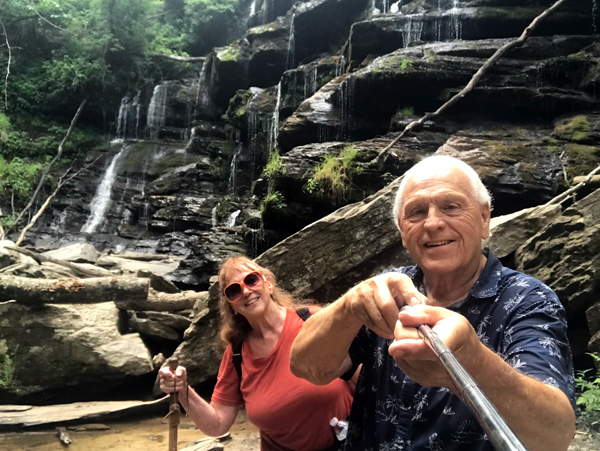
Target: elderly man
column 507, row 329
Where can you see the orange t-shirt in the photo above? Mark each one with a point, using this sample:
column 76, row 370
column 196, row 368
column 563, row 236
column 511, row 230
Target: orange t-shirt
column 291, row 413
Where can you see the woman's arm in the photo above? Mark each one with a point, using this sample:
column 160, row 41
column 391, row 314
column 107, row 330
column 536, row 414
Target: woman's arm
column 213, row 419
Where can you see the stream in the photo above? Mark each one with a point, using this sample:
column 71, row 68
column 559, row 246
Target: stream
column 134, row 434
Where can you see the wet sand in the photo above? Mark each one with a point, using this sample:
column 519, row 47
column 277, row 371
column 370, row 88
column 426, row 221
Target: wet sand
column 145, row 434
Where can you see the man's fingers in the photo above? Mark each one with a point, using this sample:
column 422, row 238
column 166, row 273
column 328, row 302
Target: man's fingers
column 385, row 304
column 420, row 314
column 403, row 290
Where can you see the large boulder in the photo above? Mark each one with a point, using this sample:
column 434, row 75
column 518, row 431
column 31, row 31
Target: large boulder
column 55, row 347
column 565, row 255
column 76, row 253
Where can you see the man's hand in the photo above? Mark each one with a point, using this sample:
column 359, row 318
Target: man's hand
column 376, row 302
column 417, row 360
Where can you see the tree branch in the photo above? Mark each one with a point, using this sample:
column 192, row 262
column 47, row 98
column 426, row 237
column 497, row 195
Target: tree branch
column 474, row 80
column 564, row 196
column 54, row 160
column 7, row 64
column 185, row 59
column 63, row 179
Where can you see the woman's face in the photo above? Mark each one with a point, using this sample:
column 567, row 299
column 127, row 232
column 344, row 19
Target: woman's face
column 252, row 301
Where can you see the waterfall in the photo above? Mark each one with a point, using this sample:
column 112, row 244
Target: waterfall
column 214, row 217
column 340, row 67
column 412, row 29
column 274, row 125
column 233, row 169
column 128, row 120
column 230, row 222
column 594, row 16
column 101, row 202
column 157, row 108
column 291, row 44
column 455, row 23
column 202, row 96
column 310, row 81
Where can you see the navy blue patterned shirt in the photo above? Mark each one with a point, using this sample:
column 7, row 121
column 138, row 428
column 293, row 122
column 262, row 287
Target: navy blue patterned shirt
column 516, row 316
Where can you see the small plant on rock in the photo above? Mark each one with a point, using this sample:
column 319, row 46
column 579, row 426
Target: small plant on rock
column 332, row 177
column 406, row 66
column 6, row 370
column 405, row 111
column 589, row 396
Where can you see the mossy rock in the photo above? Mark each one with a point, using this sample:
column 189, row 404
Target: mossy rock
column 582, row 159
column 232, row 52
column 577, row 129
column 238, row 104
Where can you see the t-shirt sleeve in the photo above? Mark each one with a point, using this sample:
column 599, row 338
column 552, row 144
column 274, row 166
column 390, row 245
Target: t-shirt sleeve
column 535, row 340
column 227, row 391
column 357, row 351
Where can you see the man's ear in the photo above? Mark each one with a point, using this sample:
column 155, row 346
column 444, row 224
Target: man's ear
column 485, row 216
column 401, row 233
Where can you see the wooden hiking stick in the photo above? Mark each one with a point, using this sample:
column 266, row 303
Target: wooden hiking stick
column 174, row 410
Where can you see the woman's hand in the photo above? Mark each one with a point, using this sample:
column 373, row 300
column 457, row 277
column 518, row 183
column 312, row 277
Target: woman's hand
column 170, row 382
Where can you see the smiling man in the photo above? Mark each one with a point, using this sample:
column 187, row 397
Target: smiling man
column 507, row 329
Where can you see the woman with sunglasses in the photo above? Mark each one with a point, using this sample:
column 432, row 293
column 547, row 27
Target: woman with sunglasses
column 291, row 413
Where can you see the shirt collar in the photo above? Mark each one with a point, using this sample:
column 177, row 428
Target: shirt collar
column 486, row 285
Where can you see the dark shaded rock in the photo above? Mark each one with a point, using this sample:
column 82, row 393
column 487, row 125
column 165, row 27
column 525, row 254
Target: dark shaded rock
column 384, row 34
column 304, row 81
column 152, row 328
column 204, row 253
column 421, row 78
column 78, row 346
column 566, row 255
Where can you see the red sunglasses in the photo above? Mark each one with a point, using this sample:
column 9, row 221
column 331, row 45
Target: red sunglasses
column 253, row 281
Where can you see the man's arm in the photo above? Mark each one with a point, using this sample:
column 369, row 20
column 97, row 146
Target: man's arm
column 319, row 353
column 539, row 414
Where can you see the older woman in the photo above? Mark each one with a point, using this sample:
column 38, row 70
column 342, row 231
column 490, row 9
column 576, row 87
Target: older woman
column 291, row 413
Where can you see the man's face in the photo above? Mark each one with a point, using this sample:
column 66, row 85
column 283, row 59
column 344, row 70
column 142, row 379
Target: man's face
column 441, row 222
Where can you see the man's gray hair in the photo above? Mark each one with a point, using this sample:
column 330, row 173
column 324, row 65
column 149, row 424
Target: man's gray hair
column 433, row 165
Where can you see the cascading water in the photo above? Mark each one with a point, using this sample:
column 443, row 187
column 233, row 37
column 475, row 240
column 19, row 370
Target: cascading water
column 310, row 81
column 594, row 16
column 128, row 121
column 214, row 216
column 412, row 29
column 344, row 104
column 230, row 221
column 455, row 23
column 340, row 67
column 274, row 122
column 102, row 200
column 157, row 109
column 291, row 56
column 233, row 169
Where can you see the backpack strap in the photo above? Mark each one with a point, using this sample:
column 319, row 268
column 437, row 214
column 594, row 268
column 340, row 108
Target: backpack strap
column 304, row 313
column 236, row 358
column 236, row 348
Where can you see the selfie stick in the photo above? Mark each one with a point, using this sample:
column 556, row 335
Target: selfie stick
column 499, row 433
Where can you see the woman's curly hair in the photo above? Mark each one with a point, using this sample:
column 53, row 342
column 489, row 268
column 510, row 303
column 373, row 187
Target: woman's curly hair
column 234, row 327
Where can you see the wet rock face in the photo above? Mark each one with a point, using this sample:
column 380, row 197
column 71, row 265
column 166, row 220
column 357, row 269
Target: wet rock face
column 419, row 21
column 361, row 105
column 76, row 346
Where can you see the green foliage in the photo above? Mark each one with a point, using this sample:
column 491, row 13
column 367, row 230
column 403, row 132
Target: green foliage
column 4, row 127
column 405, row 111
column 406, row 66
column 273, row 201
column 332, row 177
column 589, row 396
column 388, row 178
column 577, row 129
column 17, row 178
column 7, row 370
column 273, row 167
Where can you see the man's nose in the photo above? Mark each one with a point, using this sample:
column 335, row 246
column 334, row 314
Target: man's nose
column 434, row 218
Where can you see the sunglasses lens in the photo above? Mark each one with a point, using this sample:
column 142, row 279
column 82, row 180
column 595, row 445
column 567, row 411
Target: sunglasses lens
column 253, row 280
column 233, row 291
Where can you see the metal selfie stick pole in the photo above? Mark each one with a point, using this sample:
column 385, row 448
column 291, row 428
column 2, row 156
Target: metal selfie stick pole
column 499, row 433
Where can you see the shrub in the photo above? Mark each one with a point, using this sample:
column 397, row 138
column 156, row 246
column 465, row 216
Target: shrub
column 405, row 111
column 6, row 370
column 589, row 397
column 332, row 177
column 273, row 201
